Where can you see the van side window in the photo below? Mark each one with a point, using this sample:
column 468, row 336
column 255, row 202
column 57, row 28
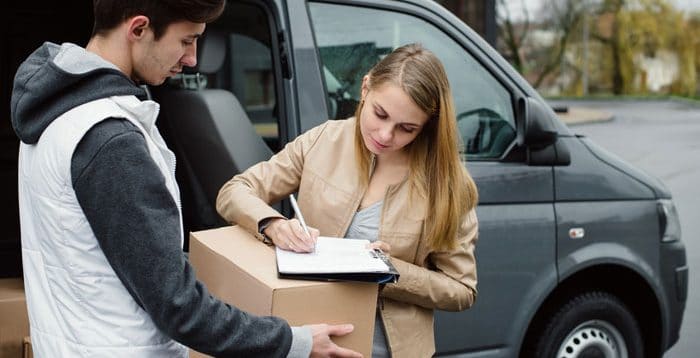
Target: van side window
column 351, row 39
column 248, row 71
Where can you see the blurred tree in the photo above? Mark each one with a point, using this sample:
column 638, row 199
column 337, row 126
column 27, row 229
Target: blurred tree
column 512, row 34
column 694, row 35
column 618, row 46
column 653, row 30
column 563, row 17
column 609, row 34
column 685, row 43
column 537, row 46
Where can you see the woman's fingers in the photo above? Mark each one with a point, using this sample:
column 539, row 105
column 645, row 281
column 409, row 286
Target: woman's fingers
column 381, row 245
column 294, row 238
column 306, row 240
column 290, row 235
column 314, row 233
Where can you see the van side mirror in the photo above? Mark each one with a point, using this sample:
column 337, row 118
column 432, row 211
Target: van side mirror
column 534, row 129
column 538, row 135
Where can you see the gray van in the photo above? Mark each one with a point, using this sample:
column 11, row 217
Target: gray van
column 579, row 253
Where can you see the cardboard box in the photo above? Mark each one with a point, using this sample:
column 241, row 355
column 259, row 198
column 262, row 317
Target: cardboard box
column 241, row 270
column 27, row 348
column 14, row 321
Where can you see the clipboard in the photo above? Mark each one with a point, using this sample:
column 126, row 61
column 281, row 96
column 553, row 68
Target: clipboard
column 337, row 259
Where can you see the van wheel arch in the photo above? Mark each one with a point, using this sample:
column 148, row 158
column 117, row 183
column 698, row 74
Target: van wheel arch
column 635, row 294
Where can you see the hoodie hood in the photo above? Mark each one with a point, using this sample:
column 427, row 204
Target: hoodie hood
column 56, row 78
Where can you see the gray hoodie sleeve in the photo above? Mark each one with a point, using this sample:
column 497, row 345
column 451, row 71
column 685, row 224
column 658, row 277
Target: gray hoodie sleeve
column 135, row 220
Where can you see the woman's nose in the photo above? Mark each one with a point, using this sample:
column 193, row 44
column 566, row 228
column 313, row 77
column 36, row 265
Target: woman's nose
column 386, row 133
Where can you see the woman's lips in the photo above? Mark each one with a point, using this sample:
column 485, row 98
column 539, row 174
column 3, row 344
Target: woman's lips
column 379, row 145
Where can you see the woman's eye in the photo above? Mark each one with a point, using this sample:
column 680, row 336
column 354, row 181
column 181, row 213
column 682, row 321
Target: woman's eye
column 407, row 129
column 380, row 115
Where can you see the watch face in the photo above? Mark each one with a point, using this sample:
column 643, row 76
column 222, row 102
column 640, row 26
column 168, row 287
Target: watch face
column 266, row 239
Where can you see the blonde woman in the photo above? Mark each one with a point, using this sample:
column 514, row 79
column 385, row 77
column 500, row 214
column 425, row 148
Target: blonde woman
column 391, row 174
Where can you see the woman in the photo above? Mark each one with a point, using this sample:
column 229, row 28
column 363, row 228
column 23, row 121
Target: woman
column 391, row 174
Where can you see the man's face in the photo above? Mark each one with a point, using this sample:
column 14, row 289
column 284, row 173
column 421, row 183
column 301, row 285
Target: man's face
column 156, row 60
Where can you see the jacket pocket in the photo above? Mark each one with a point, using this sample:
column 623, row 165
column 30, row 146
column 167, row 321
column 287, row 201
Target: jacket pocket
column 404, row 235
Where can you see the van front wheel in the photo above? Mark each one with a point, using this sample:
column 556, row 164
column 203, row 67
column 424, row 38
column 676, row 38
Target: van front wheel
column 592, row 324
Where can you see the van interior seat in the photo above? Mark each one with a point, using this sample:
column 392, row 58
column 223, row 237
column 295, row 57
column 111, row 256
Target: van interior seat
column 208, row 130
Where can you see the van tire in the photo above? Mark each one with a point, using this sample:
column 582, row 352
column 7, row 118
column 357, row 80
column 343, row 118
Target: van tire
column 592, row 321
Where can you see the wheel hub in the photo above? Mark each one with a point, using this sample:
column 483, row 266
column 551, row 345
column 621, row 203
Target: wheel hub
column 593, row 339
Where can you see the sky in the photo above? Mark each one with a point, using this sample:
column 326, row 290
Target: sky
column 534, row 6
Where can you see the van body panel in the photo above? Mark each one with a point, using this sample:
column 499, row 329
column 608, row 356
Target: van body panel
column 657, row 186
column 524, row 233
column 590, row 179
column 504, row 183
column 307, row 85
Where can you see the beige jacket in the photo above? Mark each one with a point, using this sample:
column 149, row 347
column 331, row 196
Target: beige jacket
column 321, row 165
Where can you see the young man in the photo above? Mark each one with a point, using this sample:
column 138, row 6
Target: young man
column 99, row 206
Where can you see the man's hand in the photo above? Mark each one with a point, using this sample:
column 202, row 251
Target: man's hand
column 324, row 347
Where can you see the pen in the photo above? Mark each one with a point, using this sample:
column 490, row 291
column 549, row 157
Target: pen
column 298, row 214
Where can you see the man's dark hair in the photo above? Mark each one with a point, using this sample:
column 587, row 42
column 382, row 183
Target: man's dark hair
column 161, row 13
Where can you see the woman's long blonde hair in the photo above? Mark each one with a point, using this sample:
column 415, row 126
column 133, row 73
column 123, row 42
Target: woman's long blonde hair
column 435, row 170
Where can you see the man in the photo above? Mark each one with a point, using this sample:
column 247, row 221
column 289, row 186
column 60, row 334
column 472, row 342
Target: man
column 99, row 206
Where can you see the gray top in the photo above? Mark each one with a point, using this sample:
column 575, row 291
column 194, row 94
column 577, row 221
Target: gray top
column 365, row 225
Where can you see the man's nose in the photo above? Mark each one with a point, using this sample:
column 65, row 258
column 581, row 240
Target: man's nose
column 189, row 59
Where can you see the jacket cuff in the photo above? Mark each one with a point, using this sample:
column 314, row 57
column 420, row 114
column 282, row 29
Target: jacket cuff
column 302, row 342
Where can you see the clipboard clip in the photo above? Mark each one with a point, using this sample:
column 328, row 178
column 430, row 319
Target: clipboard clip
column 378, row 254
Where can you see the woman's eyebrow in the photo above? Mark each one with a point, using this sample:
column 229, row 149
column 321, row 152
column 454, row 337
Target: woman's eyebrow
column 379, row 107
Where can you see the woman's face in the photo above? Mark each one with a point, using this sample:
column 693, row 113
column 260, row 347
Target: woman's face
column 390, row 119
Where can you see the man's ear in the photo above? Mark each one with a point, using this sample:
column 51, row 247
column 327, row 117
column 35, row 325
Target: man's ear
column 365, row 86
column 137, row 27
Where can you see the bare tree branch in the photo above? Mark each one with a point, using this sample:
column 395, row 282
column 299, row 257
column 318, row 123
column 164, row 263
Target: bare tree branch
column 509, row 34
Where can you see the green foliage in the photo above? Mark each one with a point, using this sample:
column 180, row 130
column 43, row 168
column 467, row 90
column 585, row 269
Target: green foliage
column 653, row 30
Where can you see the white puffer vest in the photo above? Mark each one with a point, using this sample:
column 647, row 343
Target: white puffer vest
column 77, row 305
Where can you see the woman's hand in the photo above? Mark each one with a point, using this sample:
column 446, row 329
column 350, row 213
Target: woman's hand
column 386, row 249
column 381, row 245
column 290, row 235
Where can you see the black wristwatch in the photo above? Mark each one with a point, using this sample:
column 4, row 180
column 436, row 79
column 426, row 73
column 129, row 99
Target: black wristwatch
column 264, row 223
